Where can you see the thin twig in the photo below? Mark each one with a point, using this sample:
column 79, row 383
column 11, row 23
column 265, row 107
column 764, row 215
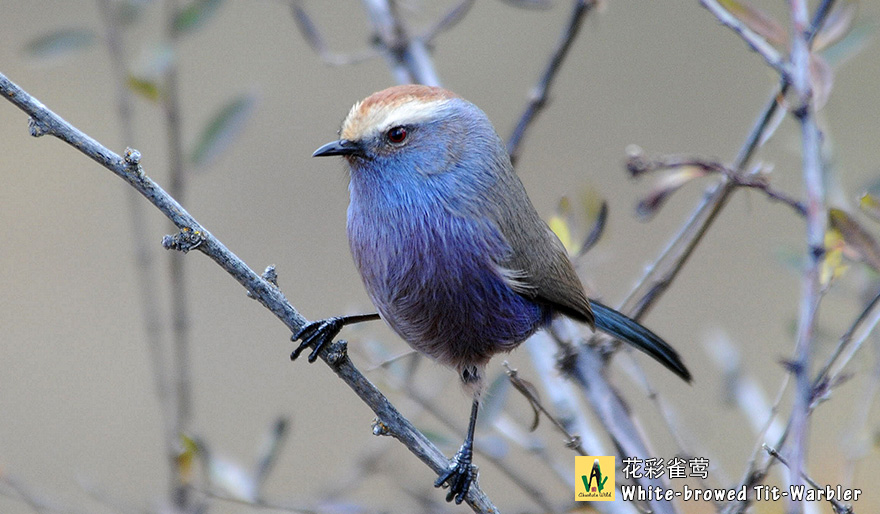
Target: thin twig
column 817, row 216
column 757, row 43
column 180, row 322
column 809, row 34
column 194, row 236
column 146, row 274
column 262, row 504
column 859, row 331
column 408, row 57
column 19, row 492
column 405, row 384
column 862, row 423
column 563, row 395
column 752, row 475
column 583, row 364
column 313, row 37
column 672, row 259
column 540, row 94
column 13, row 488
column 838, row 507
column 637, row 165
column 452, row 18
column 572, row 441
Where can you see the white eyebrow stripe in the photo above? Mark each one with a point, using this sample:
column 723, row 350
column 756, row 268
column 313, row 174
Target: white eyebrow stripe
column 410, row 112
column 380, row 117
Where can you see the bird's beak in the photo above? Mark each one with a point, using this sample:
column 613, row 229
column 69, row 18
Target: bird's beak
column 341, row 147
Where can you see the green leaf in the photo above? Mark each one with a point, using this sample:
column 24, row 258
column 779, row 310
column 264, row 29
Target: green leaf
column 860, row 244
column 222, row 129
column 559, row 226
column 194, row 15
column 60, row 43
column 189, row 450
column 870, row 205
column 146, row 88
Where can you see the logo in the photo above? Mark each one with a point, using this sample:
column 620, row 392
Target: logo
column 594, row 478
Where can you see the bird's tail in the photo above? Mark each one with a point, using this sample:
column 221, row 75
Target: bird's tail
column 618, row 325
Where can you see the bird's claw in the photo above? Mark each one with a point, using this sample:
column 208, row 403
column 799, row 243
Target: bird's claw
column 459, row 476
column 317, row 333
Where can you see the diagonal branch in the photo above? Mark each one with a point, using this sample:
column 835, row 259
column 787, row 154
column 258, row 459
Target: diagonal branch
column 835, row 503
column 851, row 341
column 194, row 236
column 637, row 165
column 672, row 259
column 451, row 19
column 539, row 95
column 314, row 38
column 584, row 365
column 755, row 41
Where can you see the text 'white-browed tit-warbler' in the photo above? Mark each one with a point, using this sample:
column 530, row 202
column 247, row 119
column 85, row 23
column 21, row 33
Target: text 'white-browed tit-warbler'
column 449, row 246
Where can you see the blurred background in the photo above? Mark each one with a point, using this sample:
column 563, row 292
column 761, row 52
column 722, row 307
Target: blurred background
column 81, row 425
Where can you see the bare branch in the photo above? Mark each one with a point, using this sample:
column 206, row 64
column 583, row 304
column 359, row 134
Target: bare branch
column 858, row 332
column 573, row 441
column 638, row 165
column 838, row 507
column 452, row 18
column 539, row 95
column 752, row 474
column 583, row 364
column 525, row 485
column 180, row 318
column 752, row 38
column 146, row 273
column 408, row 57
column 313, row 36
column 44, row 121
column 817, row 217
column 669, row 263
column 665, row 268
column 12, row 487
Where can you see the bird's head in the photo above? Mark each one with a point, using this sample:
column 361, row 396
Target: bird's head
column 411, row 130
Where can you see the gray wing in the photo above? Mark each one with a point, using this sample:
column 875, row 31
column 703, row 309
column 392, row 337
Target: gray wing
column 538, row 266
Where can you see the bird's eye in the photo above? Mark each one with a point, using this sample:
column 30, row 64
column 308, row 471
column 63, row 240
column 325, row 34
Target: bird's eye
column 397, row 134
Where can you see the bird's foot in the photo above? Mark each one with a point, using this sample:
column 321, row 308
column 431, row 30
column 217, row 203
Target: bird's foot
column 317, row 333
column 323, row 331
column 459, row 475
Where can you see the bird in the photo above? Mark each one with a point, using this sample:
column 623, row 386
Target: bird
column 450, row 248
